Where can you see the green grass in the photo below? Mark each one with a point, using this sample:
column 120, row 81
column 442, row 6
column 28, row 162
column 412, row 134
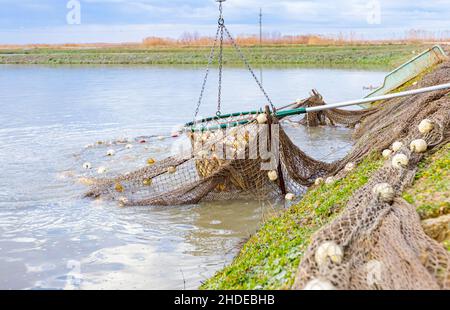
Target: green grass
column 430, row 191
column 386, row 55
column 270, row 258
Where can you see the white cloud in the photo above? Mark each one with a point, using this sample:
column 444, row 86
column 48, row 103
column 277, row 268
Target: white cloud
column 140, row 18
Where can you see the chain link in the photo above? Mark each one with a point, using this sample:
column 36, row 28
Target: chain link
column 221, row 29
column 221, row 23
column 219, row 94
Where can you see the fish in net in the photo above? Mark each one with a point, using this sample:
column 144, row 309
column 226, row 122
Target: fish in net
column 222, row 164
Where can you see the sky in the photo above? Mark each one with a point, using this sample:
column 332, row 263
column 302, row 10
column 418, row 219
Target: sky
column 85, row 21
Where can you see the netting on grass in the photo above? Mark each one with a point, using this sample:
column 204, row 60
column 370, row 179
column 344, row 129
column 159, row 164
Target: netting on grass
column 376, row 244
column 383, row 244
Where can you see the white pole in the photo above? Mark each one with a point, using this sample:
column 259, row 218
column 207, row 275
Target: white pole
column 384, row 97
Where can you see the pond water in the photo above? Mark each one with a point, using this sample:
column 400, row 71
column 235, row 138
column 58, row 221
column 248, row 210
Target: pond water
column 52, row 238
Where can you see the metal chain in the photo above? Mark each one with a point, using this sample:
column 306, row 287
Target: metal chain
column 244, row 59
column 221, row 27
column 210, row 60
column 220, row 31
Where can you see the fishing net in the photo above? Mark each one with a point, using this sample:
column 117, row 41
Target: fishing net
column 219, row 165
column 234, row 163
column 349, row 118
column 383, row 244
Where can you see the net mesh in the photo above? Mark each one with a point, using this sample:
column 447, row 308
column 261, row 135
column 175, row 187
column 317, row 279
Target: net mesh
column 333, row 116
column 224, row 164
column 383, row 243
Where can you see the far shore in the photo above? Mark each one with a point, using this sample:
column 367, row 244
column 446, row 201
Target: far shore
column 355, row 55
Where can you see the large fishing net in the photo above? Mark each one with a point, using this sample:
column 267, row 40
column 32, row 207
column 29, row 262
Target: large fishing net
column 219, row 165
column 375, row 244
column 236, row 162
column 383, row 244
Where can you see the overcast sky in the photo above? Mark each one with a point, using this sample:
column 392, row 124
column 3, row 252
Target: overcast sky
column 45, row 21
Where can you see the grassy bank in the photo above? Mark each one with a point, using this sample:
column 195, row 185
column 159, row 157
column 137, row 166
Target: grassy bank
column 383, row 55
column 430, row 191
column 270, row 258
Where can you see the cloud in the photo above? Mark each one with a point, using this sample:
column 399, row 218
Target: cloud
column 171, row 18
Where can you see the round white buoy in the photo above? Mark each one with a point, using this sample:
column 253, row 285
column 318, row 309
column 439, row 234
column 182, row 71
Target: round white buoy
column 328, row 250
column 426, row 126
column 329, row 180
column 273, row 175
column 261, row 118
column 87, row 165
column 349, row 167
column 319, row 181
column 384, row 192
column 396, row 146
column 101, row 170
column 289, row 196
column 319, row 285
column 400, row 161
column 418, row 146
column 387, row 154
column 123, row 201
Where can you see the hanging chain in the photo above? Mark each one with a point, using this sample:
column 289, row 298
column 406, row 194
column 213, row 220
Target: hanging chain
column 210, row 60
column 221, row 27
column 244, row 59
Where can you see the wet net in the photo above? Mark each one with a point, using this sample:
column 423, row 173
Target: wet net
column 251, row 161
column 257, row 161
column 383, row 245
column 380, row 245
column 349, row 118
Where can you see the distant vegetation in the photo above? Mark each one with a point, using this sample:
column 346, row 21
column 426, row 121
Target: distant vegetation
column 301, row 55
column 192, row 49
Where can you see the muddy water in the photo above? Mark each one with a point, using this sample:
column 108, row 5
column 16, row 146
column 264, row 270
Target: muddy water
column 52, row 238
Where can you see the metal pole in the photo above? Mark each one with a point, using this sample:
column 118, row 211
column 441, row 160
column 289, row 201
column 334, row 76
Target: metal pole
column 384, row 97
column 260, row 44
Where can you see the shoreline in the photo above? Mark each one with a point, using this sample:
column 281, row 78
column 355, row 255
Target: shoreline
column 376, row 55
